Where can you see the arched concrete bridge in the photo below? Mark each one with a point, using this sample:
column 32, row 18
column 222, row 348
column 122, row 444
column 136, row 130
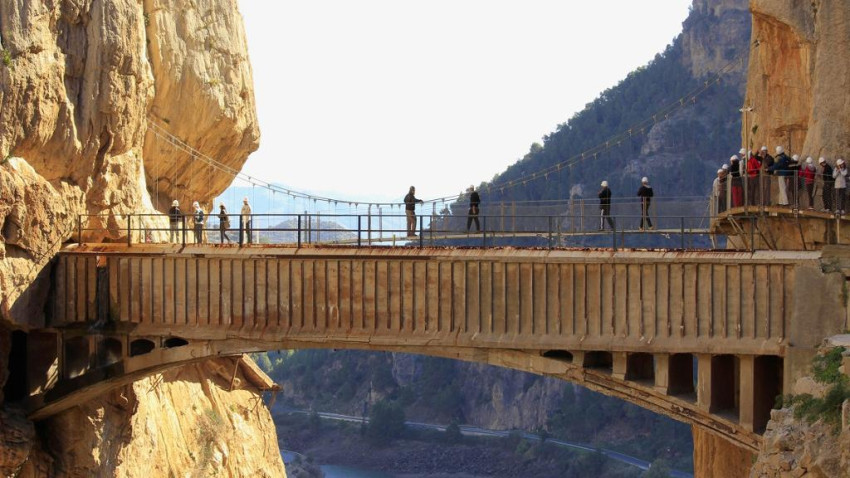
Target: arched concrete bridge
column 709, row 338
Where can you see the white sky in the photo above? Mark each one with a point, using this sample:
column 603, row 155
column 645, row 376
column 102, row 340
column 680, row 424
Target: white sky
column 362, row 99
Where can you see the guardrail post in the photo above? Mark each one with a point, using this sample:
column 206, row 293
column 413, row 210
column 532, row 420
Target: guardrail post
column 550, row 231
column 359, row 233
column 129, row 230
column 484, row 232
column 614, row 237
column 79, row 228
column 752, row 234
column 183, row 228
column 683, row 231
column 421, row 231
column 298, row 239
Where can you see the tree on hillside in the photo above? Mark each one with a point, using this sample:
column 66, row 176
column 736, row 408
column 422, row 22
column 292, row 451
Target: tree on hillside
column 386, row 423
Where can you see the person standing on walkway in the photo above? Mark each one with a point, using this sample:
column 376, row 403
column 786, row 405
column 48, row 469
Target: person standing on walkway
column 780, row 169
column 645, row 194
column 198, row 222
column 474, row 202
column 174, row 218
column 764, row 176
column 737, row 185
column 718, row 192
column 807, row 173
column 605, row 206
column 410, row 211
column 753, row 168
column 840, row 175
column 828, row 188
column 245, row 222
column 223, row 223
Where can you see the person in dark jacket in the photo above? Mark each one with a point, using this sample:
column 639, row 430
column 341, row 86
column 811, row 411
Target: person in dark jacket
column 198, row 222
column 605, row 206
column 223, row 223
column 175, row 216
column 828, row 191
column 645, row 194
column 410, row 211
column 474, row 201
column 764, row 177
column 737, row 183
column 781, row 169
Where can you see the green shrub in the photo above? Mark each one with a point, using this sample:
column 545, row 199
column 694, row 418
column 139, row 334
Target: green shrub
column 825, row 371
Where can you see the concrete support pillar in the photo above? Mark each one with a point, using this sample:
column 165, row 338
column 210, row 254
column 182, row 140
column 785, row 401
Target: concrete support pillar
column 704, row 381
column 662, row 373
column 620, row 365
column 746, row 385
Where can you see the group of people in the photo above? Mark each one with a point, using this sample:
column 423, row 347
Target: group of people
column 738, row 184
column 198, row 217
column 645, row 193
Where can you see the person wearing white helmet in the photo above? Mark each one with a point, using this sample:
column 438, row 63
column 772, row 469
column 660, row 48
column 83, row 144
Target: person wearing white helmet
column 828, row 191
column 807, row 176
column 840, row 175
column 781, row 170
column 246, row 222
column 737, row 186
column 753, row 190
column 718, row 193
column 645, row 194
column 764, row 175
column 605, row 206
column 198, row 222
column 175, row 216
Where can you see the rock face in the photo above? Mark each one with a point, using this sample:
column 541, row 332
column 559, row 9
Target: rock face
column 81, row 83
column 796, row 81
column 180, row 423
column 97, row 100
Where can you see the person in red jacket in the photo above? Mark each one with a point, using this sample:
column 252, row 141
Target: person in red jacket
column 753, row 168
column 807, row 173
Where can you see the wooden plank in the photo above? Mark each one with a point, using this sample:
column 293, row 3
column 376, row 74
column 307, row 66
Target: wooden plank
column 408, row 296
column 308, row 289
column 394, row 291
column 249, row 293
column 608, row 300
column 60, row 298
column 432, row 296
column 677, row 299
column 485, row 298
column 539, row 302
column 135, row 299
column 261, row 287
column 179, row 290
column 663, row 326
column 113, row 264
column 512, row 298
column 580, row 305
column 227, row 296
column 444, row 321
column 526, row 299
column 472, row 318
column 567, row 293
column 285, row 291
column 634, row 307
column 748, row 300
column 147, row 289
column 621, row 298
column 332, row 295
column 192, row 291
column 689, row 302
column 649, row 326
column 73, row 294
column 593, row 301
column 272, row 293
column 705, row 292
column 382, row 296
column 499, row 281
column 370, row 273
column 124, row 289
column 458, row 297
column 91, row 288
column 159, row 301
column 320, row 294
column 346, row 317
column 214, row 287
column 358, row 294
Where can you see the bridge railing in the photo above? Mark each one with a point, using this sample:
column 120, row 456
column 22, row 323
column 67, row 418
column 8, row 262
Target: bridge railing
column 795, row 189
column 669, row 224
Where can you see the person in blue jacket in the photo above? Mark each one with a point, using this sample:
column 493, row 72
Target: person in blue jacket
column 781, row 169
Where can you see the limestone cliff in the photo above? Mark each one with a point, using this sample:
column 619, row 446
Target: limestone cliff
column 797, row 77
column 184, row 422
column 82, row 84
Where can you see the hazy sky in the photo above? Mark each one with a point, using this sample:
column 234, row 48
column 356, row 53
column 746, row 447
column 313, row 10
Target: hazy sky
column 362, row 99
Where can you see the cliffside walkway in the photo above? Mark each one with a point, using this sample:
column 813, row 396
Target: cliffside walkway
column 707, row 337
